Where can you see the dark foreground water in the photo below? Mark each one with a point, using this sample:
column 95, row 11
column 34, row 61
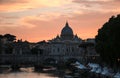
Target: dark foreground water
column 30, row 73
column 26, row 73
column 47, row 73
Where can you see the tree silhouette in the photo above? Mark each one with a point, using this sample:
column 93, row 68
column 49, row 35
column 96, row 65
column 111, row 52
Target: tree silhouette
column 7, row 47
column 1, row 36
column 10, row 37
column 1, row 43
column 108, row 41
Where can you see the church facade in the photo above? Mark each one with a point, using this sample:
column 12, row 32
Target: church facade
column 67, row 44
column 63, row 47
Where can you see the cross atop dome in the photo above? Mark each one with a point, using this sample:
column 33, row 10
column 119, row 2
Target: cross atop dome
column 67, row 24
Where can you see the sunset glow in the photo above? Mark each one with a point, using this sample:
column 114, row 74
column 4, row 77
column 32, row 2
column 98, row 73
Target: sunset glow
column 36, row 20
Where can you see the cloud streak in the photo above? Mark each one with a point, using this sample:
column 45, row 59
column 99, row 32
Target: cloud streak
column 4, row 2
column 20, row 5
column 36, row 20
column 100, row 5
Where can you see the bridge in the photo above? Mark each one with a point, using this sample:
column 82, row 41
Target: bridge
column 30, row 59
column 16, row 60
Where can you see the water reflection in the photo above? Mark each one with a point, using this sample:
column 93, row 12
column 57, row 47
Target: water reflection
column 46, row 73
column 26, row 73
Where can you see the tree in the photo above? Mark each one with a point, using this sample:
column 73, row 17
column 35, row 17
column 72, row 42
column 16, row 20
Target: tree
column 9, row 48
column 107, row 41
column 1, row 36
column 10, row 37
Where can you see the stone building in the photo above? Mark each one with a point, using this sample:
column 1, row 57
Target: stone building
column 67, row 44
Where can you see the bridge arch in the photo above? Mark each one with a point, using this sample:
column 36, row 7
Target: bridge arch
column 69, row 61
column 72, row 60
column 50, row 61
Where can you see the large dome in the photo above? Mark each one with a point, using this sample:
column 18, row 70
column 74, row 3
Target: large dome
column 67, row 32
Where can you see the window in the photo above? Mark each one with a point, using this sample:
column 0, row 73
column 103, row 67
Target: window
column 72, row 49
column 58, row 49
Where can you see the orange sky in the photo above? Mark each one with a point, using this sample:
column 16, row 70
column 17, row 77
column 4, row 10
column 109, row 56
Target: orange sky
column 36, row 20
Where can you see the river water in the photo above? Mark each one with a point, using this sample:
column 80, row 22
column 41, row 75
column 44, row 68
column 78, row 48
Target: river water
column 45, row 73
column 30, row 73
column 25, row 75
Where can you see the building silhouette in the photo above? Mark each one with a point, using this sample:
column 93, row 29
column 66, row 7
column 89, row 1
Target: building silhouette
column 64, row 46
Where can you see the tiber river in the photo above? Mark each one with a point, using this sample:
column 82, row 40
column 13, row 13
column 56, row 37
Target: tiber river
column 26, row 73
column 30, row 73
column 52, row 72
